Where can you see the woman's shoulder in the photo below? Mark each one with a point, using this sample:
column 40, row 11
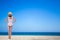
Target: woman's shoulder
column 9, row 17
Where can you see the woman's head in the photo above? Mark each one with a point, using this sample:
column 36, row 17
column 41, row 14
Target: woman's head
column 9, row 14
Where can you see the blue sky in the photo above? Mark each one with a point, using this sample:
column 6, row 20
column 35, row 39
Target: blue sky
column 31, row 15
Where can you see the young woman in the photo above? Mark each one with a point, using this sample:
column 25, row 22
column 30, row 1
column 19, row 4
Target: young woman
column 10, row 20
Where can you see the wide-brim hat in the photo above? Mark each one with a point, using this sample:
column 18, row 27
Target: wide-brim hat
column 9, row 13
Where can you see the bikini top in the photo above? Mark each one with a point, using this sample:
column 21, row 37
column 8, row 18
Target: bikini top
column 10, row 20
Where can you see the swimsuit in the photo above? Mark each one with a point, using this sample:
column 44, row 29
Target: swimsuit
column 10, row 21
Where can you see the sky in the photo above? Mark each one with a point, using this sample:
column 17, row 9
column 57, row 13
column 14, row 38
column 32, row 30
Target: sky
column 31, row 15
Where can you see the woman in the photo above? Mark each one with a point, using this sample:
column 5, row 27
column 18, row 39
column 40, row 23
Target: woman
column 10, row 20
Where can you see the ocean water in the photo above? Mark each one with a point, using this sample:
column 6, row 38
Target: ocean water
column 33, row 33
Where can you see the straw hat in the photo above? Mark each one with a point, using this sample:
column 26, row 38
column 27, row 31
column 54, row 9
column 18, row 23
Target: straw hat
column 9, row 13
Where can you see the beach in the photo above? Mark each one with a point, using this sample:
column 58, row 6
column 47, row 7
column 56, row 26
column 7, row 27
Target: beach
column 22, row 37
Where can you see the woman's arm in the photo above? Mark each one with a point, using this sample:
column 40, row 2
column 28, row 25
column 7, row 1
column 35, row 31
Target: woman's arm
column 6, row 20
column 14, row 19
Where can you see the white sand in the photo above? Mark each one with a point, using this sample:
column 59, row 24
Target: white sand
column 16, row 37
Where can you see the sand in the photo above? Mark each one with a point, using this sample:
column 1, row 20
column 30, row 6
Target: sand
column 17, row 37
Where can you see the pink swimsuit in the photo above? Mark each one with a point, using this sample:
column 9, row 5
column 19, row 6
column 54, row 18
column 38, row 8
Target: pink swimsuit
column 10, row 21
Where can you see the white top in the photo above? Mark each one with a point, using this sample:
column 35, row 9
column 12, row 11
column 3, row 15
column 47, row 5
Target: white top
column 10, row 21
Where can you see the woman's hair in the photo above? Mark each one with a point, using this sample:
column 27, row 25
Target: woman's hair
column 9, row 14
